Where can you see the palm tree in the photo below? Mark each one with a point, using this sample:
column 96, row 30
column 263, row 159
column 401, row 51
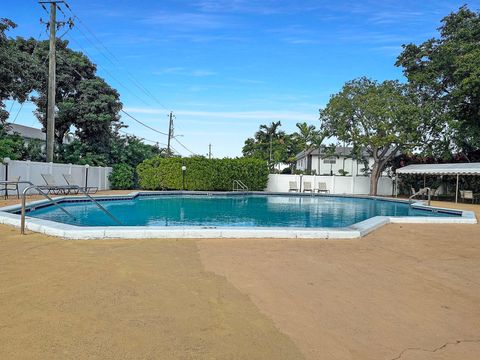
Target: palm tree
column 306, row 135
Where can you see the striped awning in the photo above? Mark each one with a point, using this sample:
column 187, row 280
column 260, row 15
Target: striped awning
column 441, row 169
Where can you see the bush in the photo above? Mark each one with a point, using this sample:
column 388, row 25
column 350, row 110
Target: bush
column 122, row 177
column 202, row 173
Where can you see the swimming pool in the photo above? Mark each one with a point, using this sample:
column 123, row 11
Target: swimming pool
column 232, row 211
column 179, row 214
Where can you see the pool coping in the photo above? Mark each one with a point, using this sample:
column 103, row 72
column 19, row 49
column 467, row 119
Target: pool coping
column 356, row 230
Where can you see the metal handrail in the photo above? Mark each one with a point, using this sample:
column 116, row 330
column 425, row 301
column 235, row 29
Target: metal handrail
column 238, row 185
column 70, row 187
column 422, row 192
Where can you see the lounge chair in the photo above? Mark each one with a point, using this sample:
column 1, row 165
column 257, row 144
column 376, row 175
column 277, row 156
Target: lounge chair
column 322, row 187
column 307, row 186
column 467, row 195
column 52, row 186
column 292, row 186
column 71, row 181
column 11, row 187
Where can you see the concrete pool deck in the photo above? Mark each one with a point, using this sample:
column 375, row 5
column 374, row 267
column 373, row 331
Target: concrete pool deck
column 405, row 291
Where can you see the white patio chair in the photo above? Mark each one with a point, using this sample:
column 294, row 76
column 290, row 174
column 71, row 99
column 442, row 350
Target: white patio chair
column 307, row 186
column 322, row 187
column 467, row 195
column 292, row 186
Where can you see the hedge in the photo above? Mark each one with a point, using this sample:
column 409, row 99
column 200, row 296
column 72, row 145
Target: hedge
column 202, row 173
column 122, row 177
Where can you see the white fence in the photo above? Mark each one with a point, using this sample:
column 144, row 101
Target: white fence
column 359, row 185
column 31, row 171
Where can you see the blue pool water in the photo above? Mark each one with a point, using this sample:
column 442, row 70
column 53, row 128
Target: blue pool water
column 220, row 210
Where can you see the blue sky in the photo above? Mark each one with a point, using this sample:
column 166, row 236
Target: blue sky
column 225, row 67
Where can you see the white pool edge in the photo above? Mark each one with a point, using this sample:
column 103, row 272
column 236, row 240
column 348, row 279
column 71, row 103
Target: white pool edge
column 357, row 230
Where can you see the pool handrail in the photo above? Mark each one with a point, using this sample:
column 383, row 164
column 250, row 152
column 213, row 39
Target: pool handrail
column 56, row 203
column 239, row 185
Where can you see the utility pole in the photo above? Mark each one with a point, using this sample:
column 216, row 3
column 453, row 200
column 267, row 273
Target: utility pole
column 170, row 133
column 209, row 151
column 52, row 25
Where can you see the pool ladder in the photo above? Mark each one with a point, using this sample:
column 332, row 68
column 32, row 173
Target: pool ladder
column 56, row 203
column 238, row 185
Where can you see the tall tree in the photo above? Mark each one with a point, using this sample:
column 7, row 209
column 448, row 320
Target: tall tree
column 306, row 135
column 446, row 70
column 382, row 118
column 16, row 70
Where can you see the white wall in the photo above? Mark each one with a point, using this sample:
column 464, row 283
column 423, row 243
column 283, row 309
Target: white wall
column 32, row 170
column 359, row 185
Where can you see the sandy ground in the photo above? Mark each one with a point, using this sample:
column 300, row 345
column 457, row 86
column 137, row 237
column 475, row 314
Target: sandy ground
column 403, row 292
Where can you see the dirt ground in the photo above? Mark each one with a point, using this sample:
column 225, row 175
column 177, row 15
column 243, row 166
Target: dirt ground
column 407, row 292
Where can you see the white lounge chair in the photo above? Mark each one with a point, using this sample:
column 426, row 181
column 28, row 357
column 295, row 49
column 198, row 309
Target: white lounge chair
column 322, row 187
column 307, row 186
column 292, row 186
column 71, row 181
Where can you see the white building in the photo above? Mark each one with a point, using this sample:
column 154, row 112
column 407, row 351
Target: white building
column 310, row 161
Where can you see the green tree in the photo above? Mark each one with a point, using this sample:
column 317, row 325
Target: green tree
column 11, row 145
column 306, row 135
column 382, row 118
column 16, row 70
column 446, row 71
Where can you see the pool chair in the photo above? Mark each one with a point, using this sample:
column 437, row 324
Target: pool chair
column 11, row 187
column 307, row 186
column 322, row 188
column 467, row 195
column 52, row 186
column 292, row 186
column 71, row 181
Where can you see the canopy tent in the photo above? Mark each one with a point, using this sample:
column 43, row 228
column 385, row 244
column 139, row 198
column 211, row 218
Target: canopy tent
column 456, row 169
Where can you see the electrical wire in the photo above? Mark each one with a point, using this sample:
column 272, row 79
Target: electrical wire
column 142, row 123
column 142, row 138
column 111, row 56
column 126, row 113
column 178, row 141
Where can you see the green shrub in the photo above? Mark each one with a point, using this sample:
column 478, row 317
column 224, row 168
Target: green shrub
column 202, row 173
column 122, row 177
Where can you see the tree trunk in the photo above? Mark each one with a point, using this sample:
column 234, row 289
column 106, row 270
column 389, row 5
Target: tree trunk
column 376, row 171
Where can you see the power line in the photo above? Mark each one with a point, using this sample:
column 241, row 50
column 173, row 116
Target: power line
column 178, row 141
column 142, row 138
column 142, row 123
column 109, row 73
column 112, row 56
column 126, row 113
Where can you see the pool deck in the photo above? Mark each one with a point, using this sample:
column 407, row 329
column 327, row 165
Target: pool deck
column 405, row 291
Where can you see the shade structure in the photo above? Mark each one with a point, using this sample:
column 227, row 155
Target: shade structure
column 456, row 169
column 441, row 169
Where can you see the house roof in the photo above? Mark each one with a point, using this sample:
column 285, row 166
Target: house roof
column 441, row 169
column 27, row 132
